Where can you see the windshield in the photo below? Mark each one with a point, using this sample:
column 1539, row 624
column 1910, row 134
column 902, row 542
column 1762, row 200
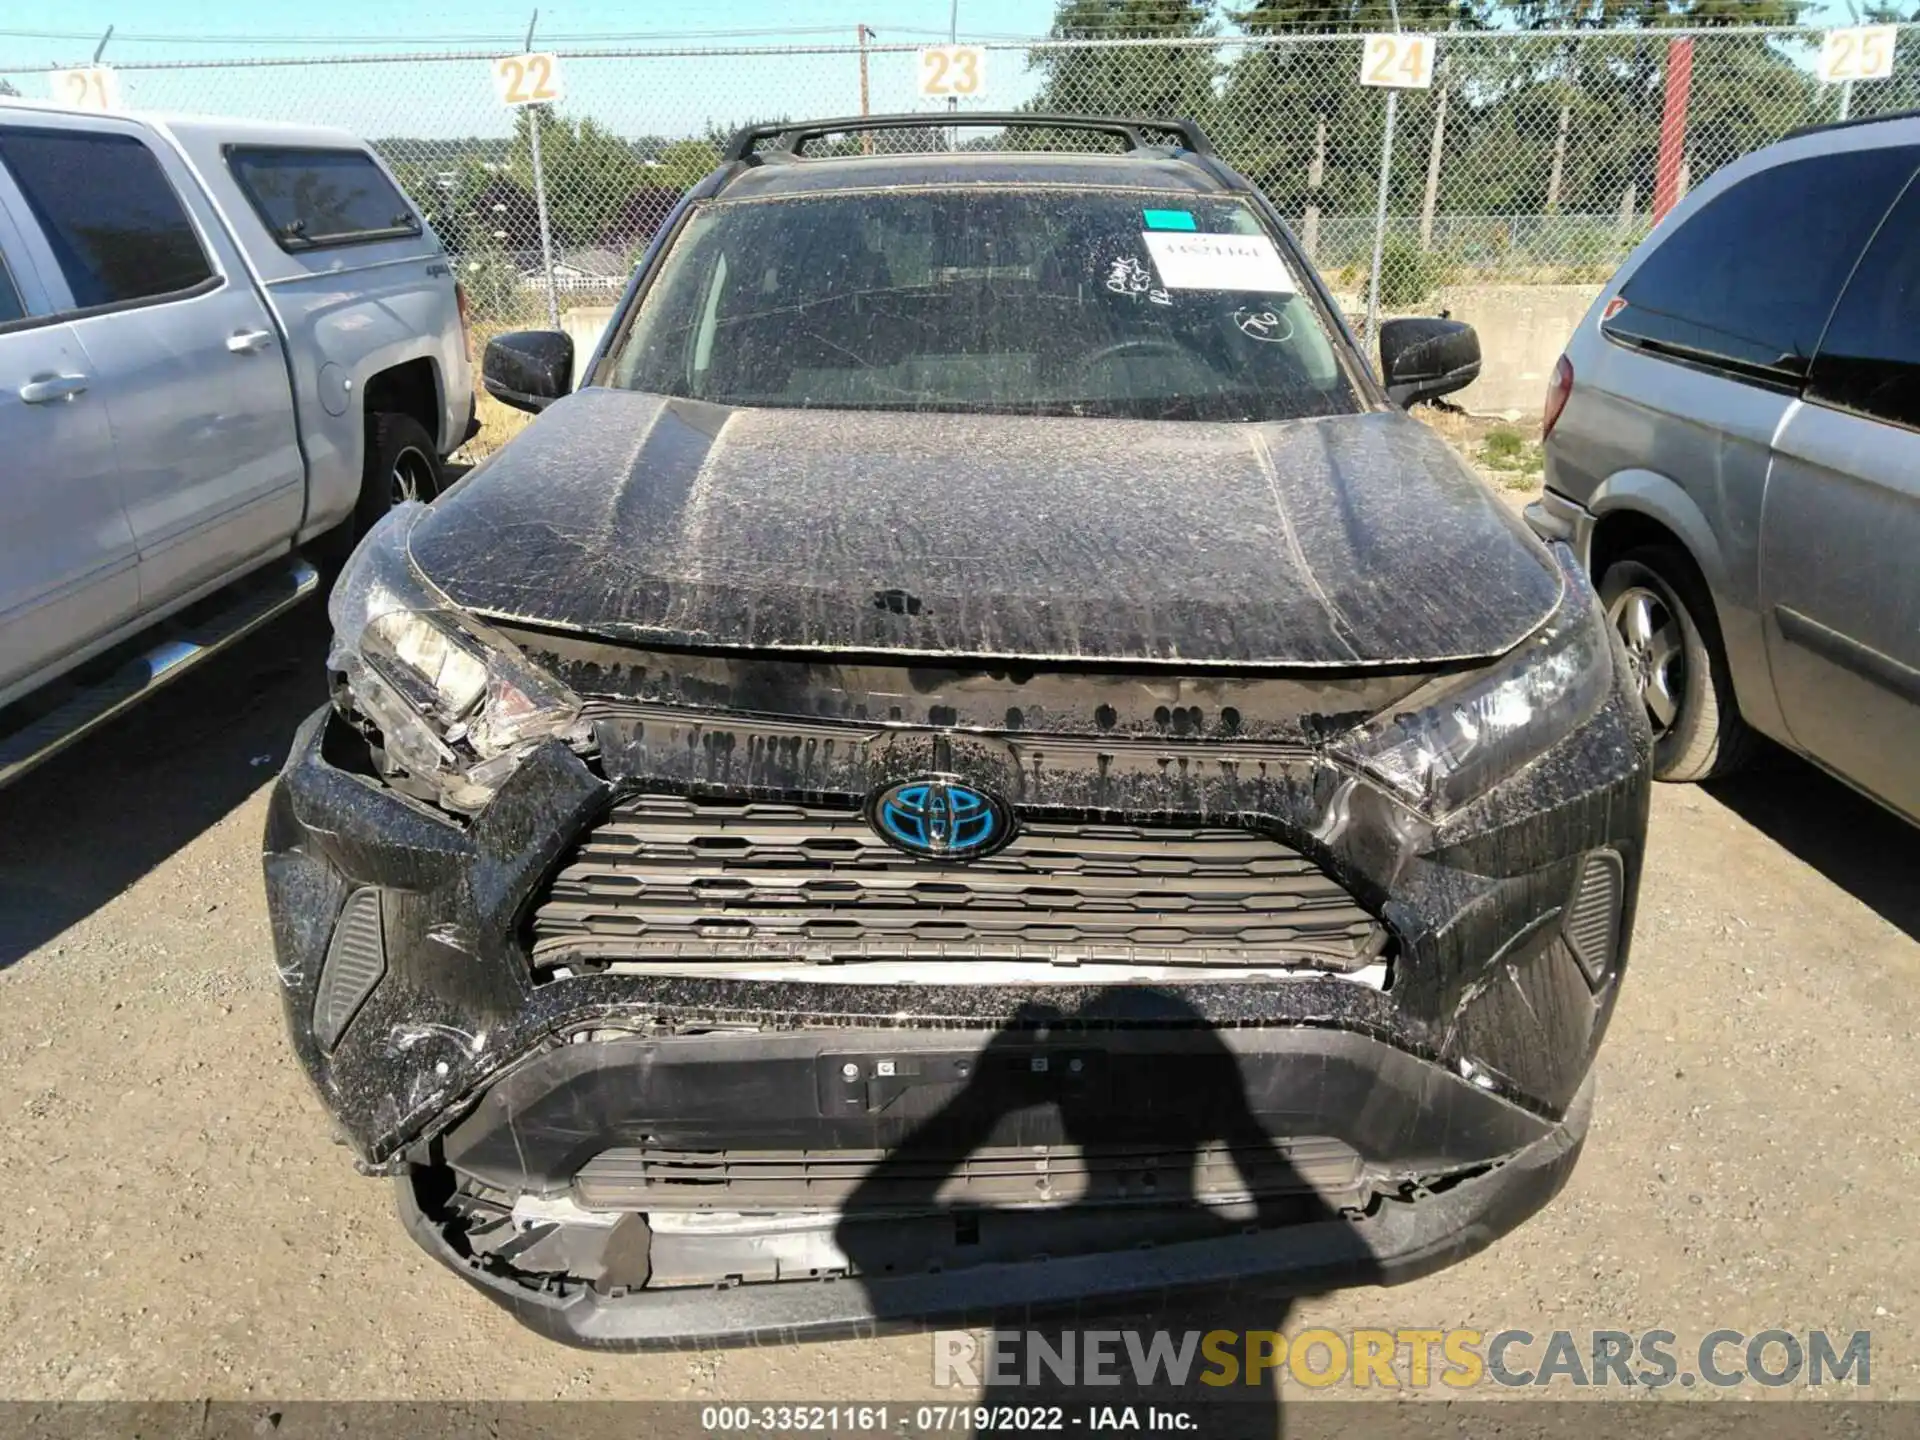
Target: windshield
column 1012, row 300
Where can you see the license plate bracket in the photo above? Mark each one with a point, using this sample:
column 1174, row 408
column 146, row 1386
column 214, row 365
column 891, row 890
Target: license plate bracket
column 911, row 1083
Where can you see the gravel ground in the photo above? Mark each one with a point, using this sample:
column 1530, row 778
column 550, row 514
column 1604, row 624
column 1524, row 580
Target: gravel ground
column 181, row 1226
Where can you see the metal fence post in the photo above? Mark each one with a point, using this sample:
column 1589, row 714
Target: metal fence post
column 540, row 208
column 537, row 115
column 1432, row 196
column 1316, row 172
column 1380, row 225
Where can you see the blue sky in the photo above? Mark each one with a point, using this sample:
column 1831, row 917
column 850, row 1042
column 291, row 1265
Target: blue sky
column 664, row 96
column 457, row 97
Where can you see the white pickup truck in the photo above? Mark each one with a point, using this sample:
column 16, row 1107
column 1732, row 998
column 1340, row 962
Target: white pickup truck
column 224, row 345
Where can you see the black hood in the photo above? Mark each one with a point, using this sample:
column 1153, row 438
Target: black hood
column 1355, row 540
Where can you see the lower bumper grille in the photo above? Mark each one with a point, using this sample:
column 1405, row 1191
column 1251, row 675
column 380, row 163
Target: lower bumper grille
column 664, row 877
column 643, row 1178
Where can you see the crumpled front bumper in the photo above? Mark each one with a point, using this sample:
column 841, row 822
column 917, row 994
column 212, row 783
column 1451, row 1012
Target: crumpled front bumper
column 1402, row 1239
column 1463, row 1086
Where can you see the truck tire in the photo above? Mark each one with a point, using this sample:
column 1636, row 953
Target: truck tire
column 401, row 464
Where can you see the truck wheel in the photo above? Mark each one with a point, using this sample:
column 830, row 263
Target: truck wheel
column 1655, row 599
column 401, row 465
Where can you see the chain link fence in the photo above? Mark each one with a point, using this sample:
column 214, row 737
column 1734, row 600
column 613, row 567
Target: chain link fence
column 1535, row 159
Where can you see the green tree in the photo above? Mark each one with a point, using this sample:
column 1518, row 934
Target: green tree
column 1650, row 14
column 1747, row 89
column 681, row 164
column 1173, row 81
column 1277, row 95
column 1359, row 16
column 590, row 172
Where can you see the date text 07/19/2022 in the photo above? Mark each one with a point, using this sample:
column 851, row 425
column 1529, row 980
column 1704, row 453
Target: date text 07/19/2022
column 942, row 1419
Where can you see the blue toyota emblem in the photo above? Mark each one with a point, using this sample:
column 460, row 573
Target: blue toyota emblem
column 936, row 817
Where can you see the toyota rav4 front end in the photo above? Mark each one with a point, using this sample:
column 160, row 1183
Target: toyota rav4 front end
column 946, row 781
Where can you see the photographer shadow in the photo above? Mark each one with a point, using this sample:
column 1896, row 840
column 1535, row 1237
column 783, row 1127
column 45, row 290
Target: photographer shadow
column 1173, row 1156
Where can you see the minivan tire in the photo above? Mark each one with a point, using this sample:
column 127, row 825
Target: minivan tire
column 1658, row 605
column 402, row 464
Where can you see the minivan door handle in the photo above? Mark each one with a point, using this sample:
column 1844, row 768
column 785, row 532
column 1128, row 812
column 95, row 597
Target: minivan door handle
column 53, row 387
column 245, row 342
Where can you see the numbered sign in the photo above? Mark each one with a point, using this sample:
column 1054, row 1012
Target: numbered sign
column 527, row 79
column 1399, row 62
column 91, row 87
column 1864, row 52
column 953, row 72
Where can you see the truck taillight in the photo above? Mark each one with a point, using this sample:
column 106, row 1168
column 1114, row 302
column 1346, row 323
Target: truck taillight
column 1558, row 389
column 466, row 318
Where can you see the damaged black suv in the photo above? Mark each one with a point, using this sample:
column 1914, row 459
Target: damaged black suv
column 980, row 761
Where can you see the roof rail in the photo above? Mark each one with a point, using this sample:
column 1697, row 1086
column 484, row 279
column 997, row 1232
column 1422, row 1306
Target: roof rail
column 790, row 136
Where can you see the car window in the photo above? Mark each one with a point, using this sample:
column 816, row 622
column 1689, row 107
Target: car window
column 1749, row 280
column 1017, row 299
column 115, row 225
column 11, row 307
column 313, row 198
column 1869, row 359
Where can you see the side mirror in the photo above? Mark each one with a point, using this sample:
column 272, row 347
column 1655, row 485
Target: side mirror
column 1421, row 358
column 528, row 369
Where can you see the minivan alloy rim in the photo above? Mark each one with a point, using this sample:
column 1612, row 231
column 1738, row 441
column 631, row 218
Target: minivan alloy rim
column 411, row 477
column 1656, row 652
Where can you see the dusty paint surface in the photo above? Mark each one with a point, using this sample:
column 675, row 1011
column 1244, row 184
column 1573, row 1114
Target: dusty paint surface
column 1351, row 540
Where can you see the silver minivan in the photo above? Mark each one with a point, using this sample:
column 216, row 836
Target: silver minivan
column 1733, row 448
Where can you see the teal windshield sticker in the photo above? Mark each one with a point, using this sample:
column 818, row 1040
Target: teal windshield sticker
column 1168, row 219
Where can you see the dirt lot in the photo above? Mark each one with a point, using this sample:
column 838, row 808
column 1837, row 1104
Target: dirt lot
column 180, row 1225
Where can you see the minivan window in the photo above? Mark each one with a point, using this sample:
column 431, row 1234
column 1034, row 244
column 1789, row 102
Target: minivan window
column 11, row 307
column 1018, row 300
column 1869, row 360
column 117, row 230
column 311, row 198
column 1748, row 281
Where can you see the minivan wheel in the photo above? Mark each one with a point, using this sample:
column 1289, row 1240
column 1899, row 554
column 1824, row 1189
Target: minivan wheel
column 1656, row 601
column 401, row 465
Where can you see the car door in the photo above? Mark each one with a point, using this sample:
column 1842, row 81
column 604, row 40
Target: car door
column 68, row 564
column 179, row 344
column 1841, row 548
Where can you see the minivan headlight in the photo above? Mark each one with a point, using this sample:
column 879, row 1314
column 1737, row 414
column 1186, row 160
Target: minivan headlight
column 456, row 705
column 1454, row 739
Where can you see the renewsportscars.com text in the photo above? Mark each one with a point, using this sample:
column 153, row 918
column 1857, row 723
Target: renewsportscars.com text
column 1393, row 1359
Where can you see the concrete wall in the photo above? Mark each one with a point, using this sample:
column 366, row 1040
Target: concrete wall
column 584, row 323
column 1523, row 329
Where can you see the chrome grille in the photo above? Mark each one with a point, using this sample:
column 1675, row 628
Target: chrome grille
column 668, row 877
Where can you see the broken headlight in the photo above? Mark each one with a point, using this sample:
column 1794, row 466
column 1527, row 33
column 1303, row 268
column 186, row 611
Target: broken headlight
column 1456, row 738
column 455, row 705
